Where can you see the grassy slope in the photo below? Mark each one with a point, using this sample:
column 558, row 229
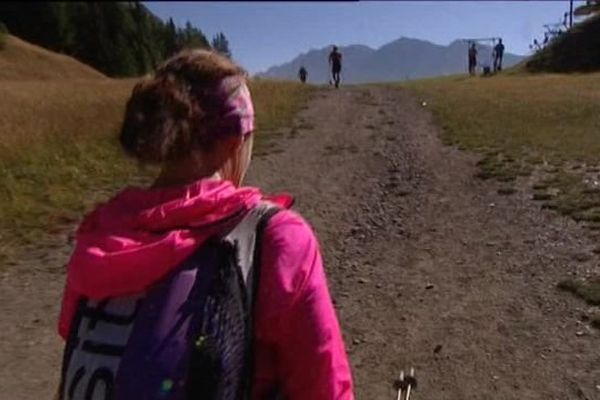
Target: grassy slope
column 545, row 125
column 549, row 118
column 575, row 51
column 20, row 60
column 59, row 154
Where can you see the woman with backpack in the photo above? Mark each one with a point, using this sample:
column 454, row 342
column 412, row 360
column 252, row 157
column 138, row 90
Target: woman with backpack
column 198, row 287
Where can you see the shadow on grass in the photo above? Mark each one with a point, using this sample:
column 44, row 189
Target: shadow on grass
column 502, row 167
column 572, row 197
column 588, row 291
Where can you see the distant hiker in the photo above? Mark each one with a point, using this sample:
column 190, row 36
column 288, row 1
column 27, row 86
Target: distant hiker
column 498, row 55
column 472, row 58
column 335, row 62
column 302, row 74
column 198, row 287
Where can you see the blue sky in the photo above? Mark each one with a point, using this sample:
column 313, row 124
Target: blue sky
column 262, row 34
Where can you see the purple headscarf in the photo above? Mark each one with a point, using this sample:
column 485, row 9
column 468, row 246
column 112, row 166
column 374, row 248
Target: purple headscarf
column 230, row 105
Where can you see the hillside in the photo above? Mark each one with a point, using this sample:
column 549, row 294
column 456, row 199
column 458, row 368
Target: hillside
column 402, row 59
column 119, row 39
column 20, row 60
column 58, row 153
column 575, row 51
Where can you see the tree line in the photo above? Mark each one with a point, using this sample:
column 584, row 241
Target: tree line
column 3, row 33
column 119, row 39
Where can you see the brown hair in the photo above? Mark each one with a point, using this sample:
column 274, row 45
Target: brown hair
column 164, row 121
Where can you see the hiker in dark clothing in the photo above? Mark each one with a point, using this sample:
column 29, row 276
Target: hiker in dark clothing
column 335, row 62
column 303, row 74
column 472, row 59
column 498, row 55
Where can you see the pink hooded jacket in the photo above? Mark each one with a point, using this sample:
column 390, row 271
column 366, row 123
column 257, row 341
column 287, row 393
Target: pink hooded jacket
column 134, row 240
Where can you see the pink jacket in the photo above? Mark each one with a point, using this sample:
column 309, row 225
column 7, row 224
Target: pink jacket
column 131, row 242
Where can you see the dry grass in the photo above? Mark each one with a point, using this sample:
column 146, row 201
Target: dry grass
column 524, row 123
column 59, row 154
column 20, row 60
column 277, row 102
column 551, row 118
column 57, row 145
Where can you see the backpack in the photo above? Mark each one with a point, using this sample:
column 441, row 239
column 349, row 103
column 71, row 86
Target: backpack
column 188, row 337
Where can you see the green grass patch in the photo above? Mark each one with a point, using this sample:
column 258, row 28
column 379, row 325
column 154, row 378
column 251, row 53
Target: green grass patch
column 573, row 197
column 500, row 166
column 588, row 291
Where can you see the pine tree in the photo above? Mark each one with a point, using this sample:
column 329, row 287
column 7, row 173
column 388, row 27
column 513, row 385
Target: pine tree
column 191, row 38
column 221, row 44
column 117, row 38
column 171, row 45
column 65, row 28
column 142, row 39
column 3, row 33
column 32, row 21
column 87, row 25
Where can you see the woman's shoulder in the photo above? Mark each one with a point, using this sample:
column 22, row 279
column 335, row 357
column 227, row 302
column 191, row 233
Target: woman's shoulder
column 289, row 228
column 290, row 254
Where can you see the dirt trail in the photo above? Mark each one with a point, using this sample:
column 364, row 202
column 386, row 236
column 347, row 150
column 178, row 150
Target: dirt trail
column 428, row 266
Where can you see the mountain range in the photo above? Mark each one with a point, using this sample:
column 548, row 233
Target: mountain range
column 399, row 60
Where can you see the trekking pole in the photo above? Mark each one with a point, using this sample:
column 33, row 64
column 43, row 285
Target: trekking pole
column 400, row 385
column 410, row 380
column 407, row 383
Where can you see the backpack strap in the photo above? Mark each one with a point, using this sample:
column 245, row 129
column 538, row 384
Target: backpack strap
column 247, row 238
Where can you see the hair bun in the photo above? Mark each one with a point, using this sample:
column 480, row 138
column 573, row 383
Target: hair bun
column 164, row 120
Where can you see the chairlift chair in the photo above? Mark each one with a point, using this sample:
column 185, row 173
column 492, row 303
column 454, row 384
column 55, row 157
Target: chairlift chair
column 489, row 42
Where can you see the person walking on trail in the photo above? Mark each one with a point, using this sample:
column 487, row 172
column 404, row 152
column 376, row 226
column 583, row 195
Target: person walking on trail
column 335, row 62
column 302, row 74
column 472, row 58
column 197, row 286
column 498, row 55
